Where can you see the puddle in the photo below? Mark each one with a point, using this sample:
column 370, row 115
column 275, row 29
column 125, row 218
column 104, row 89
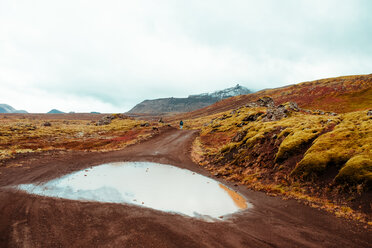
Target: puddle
column 157, row 186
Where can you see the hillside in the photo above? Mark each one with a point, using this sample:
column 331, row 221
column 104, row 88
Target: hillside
column 310, row 141
column 324, row 160
column 5, row 108
column 193, row 102
column 340, row 95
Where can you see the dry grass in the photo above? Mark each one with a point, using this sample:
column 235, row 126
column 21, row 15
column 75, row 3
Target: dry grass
column 26, row 135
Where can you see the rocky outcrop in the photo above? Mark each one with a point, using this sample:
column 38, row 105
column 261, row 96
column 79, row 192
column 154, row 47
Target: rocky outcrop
column 273, row 113
column 281, row 111
column 108, row 119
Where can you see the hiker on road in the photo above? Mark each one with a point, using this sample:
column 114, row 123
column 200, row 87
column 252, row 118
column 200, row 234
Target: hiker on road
column 181, row 124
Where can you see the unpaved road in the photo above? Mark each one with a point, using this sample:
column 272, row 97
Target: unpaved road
column 35, row 221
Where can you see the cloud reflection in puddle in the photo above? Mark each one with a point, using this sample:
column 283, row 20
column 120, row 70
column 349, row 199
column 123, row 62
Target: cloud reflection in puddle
column 158, row 186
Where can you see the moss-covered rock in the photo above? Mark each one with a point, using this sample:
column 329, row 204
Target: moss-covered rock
column 350, row 138
column 295, row 142
column 314, row 164
column 357, row 170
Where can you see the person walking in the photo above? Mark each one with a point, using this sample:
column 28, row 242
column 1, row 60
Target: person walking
column 181, row 124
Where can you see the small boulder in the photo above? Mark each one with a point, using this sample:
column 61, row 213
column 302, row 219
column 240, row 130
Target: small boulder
column 275, row 114
column 265, row 102
column 293, row 106
column 107, row 120
column 47, row 124
column 369, row 113
column 119, row 116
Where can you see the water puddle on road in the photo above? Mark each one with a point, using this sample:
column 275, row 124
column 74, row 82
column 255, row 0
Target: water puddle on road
column 158, row 186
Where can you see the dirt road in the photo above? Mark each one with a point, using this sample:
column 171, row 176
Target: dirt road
column 34, row 221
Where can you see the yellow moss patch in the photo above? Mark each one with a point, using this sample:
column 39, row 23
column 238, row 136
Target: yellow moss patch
column 294, row 141
column 358, row 169
column 351, row 137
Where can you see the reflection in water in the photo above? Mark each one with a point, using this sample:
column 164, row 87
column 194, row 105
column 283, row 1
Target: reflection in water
column 238, row 199
column 152, row 185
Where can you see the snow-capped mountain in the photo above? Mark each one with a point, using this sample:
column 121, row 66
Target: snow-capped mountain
column 192, row 102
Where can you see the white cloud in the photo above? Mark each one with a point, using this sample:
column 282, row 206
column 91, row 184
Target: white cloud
column 43, row 102
column 108, row 56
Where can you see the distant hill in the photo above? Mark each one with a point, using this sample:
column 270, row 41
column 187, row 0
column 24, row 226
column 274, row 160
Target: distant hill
column 339, row 94
column 55, row 111
column 5, row 108
column 193, row 102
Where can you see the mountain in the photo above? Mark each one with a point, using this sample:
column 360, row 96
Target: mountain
column 191, row 103
column 5, row 108
column 229, row 92
column 55, row 111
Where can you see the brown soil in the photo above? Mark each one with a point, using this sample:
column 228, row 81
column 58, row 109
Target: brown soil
column 35, row 221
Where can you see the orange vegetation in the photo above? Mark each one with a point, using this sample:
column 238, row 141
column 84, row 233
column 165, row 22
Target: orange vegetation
column 28, row 133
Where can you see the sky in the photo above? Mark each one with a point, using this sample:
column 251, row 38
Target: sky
column 107, row 56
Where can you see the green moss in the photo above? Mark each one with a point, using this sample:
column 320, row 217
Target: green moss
column 357, row 170
column 314, row 164
column 311, row 164
column 294, row 142
column 228, row 147
column 351, row 137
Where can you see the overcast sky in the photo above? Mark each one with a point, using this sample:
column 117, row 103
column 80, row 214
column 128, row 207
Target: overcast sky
column 109, row 55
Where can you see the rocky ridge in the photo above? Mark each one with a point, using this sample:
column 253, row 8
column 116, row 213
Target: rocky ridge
column 191, row 103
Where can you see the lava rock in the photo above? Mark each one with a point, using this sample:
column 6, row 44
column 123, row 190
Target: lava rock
column 293, row 106
column 105, row 120
column 265, row 102
column 47, row 124
column 275, row 114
